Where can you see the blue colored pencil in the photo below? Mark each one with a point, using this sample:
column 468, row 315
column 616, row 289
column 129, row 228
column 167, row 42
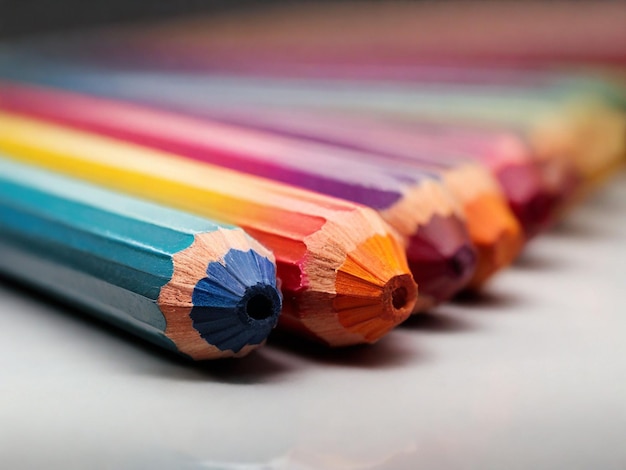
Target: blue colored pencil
column 187, row 284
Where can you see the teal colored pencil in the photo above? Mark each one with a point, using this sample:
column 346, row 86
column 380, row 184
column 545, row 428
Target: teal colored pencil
column 187, row 284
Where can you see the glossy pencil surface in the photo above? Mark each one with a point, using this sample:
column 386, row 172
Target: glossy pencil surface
column 192, row 286
column 344, row 274
column 413, row 201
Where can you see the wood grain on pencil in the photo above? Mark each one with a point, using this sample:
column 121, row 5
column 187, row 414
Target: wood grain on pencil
column 200, row 289
column 344, row 274
column 439, row 251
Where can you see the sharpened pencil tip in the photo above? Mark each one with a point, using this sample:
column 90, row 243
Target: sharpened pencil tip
column 398, row 298
column 501, row 253
column 373, row 293
column 236, row 305
column 528, row 196
column 535, row 213
column 442, row 260
column 496, row 234
column 260, row 306
column 462, row 263
column 400, row 294
column 260, row 303
column 224, row 308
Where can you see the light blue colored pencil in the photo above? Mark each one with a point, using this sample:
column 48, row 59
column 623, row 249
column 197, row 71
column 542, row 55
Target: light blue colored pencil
column 187, row 284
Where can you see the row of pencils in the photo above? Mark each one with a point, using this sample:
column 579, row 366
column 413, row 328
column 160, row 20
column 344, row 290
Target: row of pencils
column 199, row 188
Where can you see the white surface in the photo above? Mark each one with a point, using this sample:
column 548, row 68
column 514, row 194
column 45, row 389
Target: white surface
column 530, row 376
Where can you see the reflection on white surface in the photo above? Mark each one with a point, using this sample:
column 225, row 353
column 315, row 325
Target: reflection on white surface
column 530, row 375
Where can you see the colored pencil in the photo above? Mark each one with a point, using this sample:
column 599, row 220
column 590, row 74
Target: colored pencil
column 493, row 230
column 344, row 274
column 439, row 251
column 532, row 198
column 565, row 125
column 200, row 289
column 559, row 122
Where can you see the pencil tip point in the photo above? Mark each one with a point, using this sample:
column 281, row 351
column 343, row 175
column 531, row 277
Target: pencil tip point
column 375, row 290
column 224, row 308
column 236, row 305
column 496, row 234
column 442, row 259
column 260, row 302
column 400, row 294
column 492, row 258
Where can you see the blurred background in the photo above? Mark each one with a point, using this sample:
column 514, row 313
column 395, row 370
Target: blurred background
column 21, row 17
column 527, row 374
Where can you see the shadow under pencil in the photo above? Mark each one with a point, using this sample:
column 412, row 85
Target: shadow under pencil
column 437, row 322
column 152, row 359
column 386, row 353
column 486, row 301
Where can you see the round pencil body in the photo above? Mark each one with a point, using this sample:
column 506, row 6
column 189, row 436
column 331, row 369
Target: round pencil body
column 344, row 274
column 439, row 251
column 197, row 288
